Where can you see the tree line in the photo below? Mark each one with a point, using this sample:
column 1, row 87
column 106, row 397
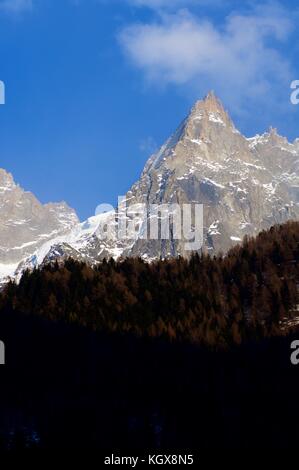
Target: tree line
column 216, row 301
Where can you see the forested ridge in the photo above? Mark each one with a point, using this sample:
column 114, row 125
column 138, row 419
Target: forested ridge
column 116, row 356
column 216, row 301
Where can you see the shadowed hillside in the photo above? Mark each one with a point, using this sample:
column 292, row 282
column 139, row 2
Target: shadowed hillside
column 171, row 355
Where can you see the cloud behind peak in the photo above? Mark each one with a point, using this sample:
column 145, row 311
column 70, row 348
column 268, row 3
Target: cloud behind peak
column 239, row 57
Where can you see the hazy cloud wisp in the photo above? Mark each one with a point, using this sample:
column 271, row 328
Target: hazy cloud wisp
column 162, row 3
column 235, row 58
column 15, row 6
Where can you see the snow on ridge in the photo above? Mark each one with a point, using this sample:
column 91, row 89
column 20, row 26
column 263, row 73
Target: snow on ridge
column 213, row 117
column 213, row 228
column 253, row 141
column 7, row 270
column 214, row 183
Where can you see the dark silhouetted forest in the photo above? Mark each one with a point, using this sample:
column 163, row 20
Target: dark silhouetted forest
column 177, row 354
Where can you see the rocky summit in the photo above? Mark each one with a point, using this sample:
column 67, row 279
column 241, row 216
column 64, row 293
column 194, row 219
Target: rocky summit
column 245, row 184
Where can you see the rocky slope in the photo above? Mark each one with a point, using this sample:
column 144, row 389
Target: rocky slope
column 26, row 224
column 245, row 185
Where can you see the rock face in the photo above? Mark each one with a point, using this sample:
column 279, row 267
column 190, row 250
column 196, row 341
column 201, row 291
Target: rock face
column 26, row 224
column 244, row 184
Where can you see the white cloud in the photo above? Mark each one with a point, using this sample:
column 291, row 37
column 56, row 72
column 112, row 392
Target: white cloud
column 173, row 4
column 15, row 6
column 162, row 3
column 239, row 58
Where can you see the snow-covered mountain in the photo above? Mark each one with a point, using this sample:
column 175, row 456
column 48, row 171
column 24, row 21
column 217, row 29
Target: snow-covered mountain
column 26, row 224
column 244, row 184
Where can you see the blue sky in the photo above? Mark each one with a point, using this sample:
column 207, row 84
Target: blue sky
column 94, row 86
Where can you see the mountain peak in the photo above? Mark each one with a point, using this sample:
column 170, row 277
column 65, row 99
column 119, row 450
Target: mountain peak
column 210, row 106
column 6, row 180
column 211, row 98
column 210, row 95
column 206, row 114
column 274, row 137
column 210, row 103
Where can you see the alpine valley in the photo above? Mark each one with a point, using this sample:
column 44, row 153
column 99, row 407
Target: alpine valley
column 245, row 185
